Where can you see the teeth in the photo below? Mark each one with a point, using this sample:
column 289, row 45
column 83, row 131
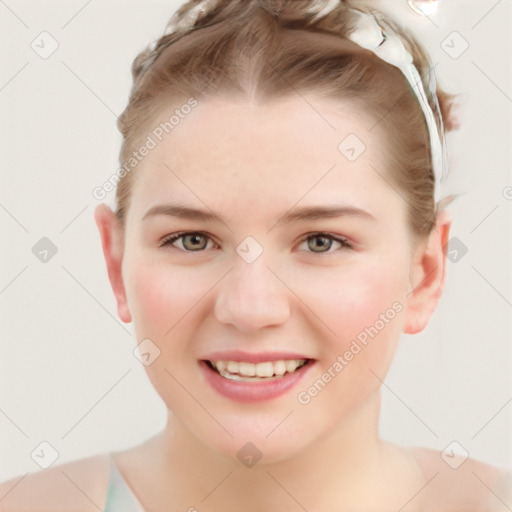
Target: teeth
column 236, row 370
column 247, row 369
column 290, row 365
column 220, row 365
column 232, row 366
column 279, row 368
column 264, row 369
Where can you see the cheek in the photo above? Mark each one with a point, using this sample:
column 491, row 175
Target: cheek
column 350, row 300
column 161, row 295
column 163, row 300
column 365, row 309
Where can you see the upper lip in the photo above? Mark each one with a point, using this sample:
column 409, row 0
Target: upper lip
column 252, row 357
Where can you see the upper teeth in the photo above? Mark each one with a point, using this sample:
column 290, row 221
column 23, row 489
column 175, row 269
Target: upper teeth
column 266, row 369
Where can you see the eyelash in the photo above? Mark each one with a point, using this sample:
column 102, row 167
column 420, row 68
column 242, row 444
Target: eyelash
column 345, row 244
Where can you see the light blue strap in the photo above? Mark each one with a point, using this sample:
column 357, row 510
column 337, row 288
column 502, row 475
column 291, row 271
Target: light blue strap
column 119, row 496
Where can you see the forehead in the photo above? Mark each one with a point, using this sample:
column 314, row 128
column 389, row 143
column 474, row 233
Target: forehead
column 236, row 150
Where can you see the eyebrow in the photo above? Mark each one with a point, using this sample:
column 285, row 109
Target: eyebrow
column 302, row 214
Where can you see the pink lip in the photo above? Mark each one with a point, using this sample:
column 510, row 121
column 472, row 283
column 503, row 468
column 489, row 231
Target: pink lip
column 259, row 391
column 260, row 357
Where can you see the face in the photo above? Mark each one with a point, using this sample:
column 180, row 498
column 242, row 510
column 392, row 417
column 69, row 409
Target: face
column 254, row 245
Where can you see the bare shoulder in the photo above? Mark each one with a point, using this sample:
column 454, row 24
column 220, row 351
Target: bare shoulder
column 77, row 486
column 468, row 484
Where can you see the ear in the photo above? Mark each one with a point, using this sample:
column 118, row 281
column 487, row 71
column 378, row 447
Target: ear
column 112, row 241
column 428, row 276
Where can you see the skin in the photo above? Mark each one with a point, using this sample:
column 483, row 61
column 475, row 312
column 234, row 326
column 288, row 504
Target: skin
column 261, row 162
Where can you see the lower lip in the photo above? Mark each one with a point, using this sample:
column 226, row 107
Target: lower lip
column 257, row 391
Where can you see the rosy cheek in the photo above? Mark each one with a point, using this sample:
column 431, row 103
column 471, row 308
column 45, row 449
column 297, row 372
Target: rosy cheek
column 161, row 296
column 355, row 302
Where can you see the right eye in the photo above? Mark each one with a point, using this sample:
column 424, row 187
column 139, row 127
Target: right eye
column 190, row 241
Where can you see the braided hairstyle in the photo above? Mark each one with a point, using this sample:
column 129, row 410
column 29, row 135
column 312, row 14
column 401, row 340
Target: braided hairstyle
column 267, row 49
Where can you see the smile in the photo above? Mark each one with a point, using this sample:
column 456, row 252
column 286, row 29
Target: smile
column 253, row 372
column 261, row 380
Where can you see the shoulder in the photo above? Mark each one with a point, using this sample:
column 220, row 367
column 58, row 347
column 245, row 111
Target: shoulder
column 456, row 481
column 77, row 486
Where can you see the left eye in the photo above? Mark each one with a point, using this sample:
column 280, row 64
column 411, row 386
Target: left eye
column 323, row 240
column 190, row 241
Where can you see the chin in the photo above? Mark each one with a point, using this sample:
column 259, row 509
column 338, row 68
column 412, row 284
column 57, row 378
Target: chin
column 252, row 450
column 258, row 438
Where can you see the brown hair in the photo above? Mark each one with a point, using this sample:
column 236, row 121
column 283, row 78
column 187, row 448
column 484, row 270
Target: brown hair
column 266, row 49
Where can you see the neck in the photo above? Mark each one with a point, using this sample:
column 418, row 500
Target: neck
column 343, row 464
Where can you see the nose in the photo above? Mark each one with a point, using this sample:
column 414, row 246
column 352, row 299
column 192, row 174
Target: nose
column 252, row 297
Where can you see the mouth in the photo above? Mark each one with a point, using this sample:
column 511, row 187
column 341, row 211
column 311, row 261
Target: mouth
column 246, row 381
column 244, row 371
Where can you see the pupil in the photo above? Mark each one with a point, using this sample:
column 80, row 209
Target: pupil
column 195, row 239
column 327, row 242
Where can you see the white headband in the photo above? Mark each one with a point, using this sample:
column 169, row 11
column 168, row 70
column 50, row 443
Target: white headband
column 384, row 43
column 389, row 47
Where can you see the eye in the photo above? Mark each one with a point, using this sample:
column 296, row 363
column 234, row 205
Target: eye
column 190, row 242
column 319, row 241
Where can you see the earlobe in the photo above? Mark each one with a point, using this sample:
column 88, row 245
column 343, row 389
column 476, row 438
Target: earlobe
column 112, row 242
column 428, row 276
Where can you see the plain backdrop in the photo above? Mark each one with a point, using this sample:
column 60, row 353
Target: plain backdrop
column 67, row 372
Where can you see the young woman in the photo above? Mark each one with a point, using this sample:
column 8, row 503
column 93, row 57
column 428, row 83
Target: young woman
column 280, row 223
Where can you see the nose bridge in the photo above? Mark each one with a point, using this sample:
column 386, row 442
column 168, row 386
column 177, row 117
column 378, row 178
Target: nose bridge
column 251, row 296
